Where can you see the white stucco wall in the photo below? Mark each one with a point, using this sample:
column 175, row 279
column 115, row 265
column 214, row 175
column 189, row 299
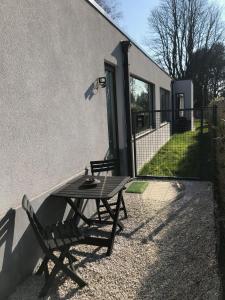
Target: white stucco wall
column 186, row 87
column 51, row 53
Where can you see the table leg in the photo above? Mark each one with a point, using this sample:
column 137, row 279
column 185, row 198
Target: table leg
column 77, row 211
column 115, row 223
column 109, row 210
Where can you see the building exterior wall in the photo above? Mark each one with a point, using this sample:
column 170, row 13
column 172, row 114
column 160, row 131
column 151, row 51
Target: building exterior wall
column 52, row 121
column 147, row 145
column 142, row 67
column 186, row 87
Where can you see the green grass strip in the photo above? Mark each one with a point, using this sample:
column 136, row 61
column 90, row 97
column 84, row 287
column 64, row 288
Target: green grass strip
column 137, row 187
column 186, row 154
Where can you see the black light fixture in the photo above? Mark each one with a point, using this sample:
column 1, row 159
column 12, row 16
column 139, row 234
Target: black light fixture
column 102, row 82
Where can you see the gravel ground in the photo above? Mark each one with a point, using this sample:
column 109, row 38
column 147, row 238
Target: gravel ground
column 166, row 251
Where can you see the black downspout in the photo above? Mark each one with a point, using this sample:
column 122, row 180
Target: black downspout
column 125, row 48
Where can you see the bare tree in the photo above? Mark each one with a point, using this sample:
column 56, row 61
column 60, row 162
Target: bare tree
column 111, row 7
column 180, row 27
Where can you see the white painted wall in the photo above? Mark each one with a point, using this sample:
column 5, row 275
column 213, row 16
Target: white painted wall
column 185, row 87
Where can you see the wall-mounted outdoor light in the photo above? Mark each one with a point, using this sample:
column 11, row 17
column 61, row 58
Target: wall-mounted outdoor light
column 102, row 82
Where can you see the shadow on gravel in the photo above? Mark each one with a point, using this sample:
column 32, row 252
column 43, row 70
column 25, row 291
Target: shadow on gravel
column 88, row 257
column 172, row 206
column 185, row 265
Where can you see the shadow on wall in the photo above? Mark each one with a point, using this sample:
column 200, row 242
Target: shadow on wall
column 91, row 91
column 7, row 224
column 18, row 259
column 117, row 53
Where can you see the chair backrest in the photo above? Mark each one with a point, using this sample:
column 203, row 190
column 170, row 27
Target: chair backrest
column 37, row 227
column 99, row 166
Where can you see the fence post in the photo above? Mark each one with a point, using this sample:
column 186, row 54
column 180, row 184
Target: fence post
column 214, row 141
column 173, row 119
column 134, row 142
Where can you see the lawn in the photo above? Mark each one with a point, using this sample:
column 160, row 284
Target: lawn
column 186, row 154
column 137, row 187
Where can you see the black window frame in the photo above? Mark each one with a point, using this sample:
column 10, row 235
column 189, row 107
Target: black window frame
column 143, row 120
column 179, row 109
column 165, row 105
column 112, row 69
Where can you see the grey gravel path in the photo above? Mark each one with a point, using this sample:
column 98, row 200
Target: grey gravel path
column 167, row 251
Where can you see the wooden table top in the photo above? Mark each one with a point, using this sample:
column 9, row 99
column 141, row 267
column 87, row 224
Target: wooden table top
column 108, row 187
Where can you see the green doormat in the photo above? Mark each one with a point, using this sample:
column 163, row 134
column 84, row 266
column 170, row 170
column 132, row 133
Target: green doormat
column 137, row 187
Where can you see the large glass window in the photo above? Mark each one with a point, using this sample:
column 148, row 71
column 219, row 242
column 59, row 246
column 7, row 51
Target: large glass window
column 165, row 105
column 141, row 104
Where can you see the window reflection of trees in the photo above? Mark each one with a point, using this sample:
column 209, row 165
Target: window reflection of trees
column 141, row 104
column 140, row 98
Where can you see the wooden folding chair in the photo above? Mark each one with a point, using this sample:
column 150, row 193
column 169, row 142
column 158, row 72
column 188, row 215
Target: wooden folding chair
column 58, row 237
column 97, row 168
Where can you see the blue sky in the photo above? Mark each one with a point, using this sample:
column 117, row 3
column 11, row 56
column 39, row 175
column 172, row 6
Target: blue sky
column 135, row 14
